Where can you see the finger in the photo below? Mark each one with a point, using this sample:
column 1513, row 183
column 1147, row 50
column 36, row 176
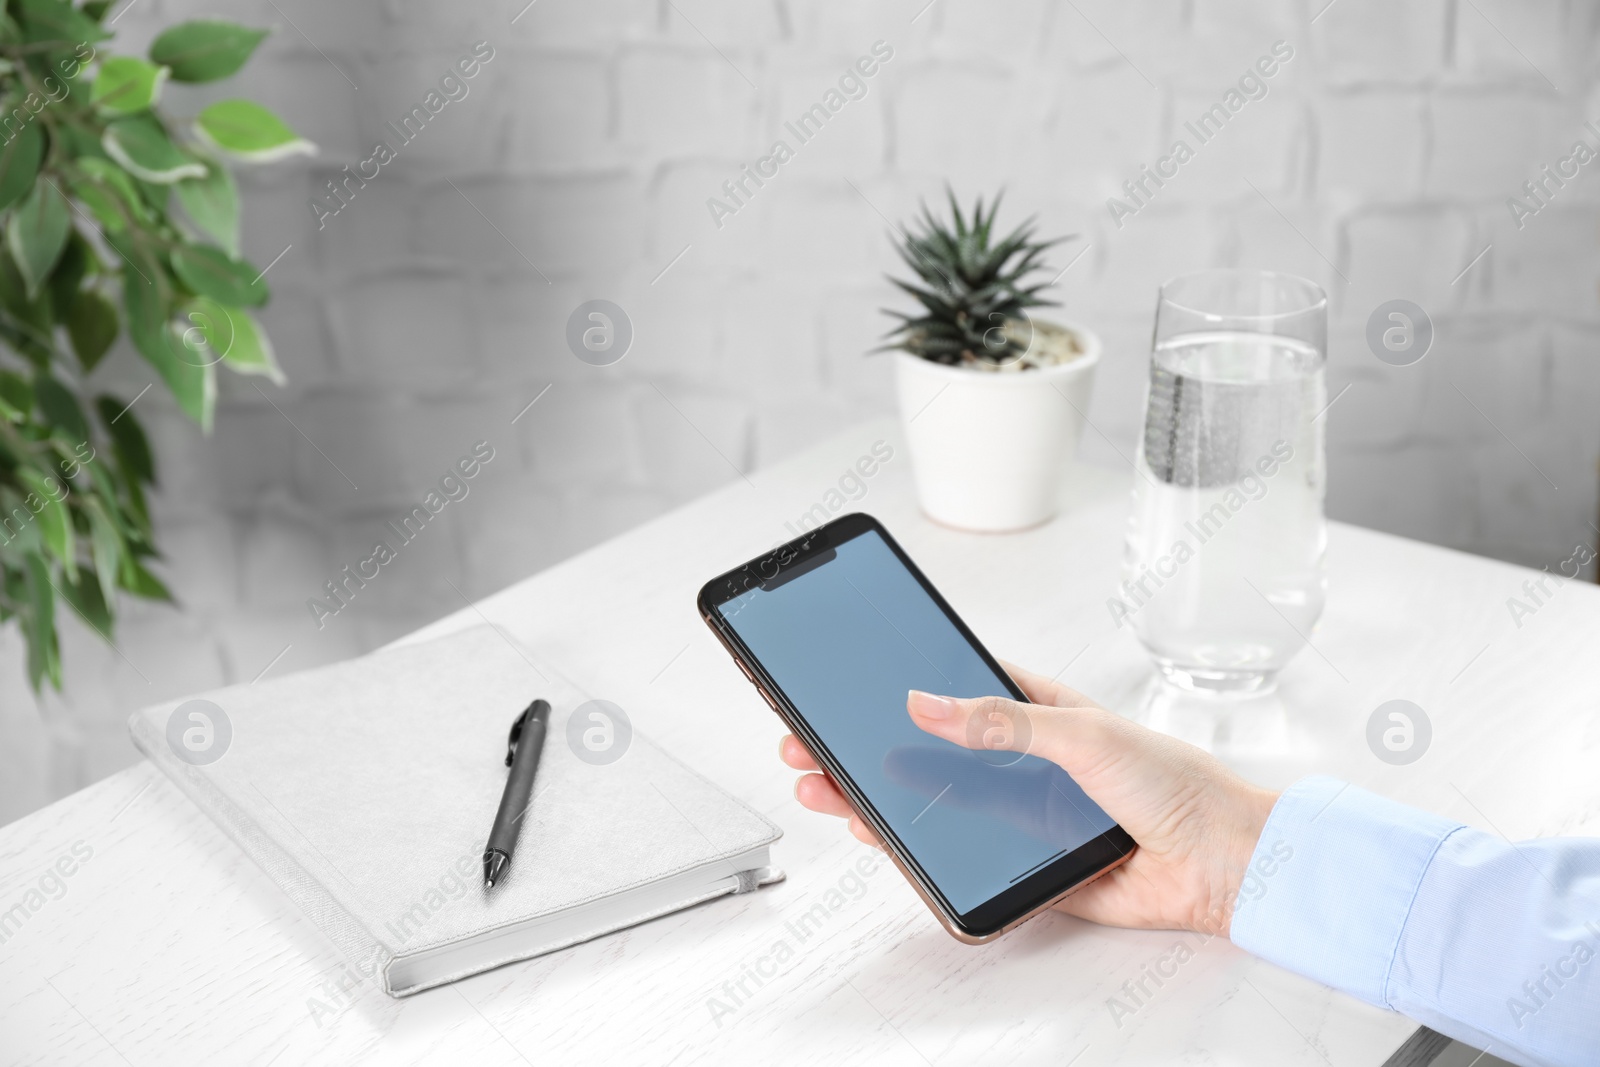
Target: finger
column 864, row 833
column 1108, row 900
column 792, row 752
column 1066, row 736
column 1042, row 690
column 816, row 792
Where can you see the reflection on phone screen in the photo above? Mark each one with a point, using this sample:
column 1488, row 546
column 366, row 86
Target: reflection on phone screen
column 845, row 641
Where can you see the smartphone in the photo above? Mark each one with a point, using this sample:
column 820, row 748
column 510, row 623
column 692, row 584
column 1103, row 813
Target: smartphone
column 834, row 628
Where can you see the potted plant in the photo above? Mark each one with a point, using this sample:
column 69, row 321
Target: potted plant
column 92, row 179
column 992, row 399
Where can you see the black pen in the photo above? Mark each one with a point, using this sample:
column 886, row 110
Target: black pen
column 522, row 756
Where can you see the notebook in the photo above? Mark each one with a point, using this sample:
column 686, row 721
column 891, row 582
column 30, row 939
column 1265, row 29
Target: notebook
column 365, row 790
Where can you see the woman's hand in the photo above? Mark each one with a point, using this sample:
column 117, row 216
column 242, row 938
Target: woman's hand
column 1195, row 821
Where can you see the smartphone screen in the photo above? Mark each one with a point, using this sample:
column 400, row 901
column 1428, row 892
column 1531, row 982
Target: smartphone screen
column 844, row 636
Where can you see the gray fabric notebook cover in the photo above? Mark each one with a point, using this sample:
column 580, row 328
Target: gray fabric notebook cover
column 366, row 790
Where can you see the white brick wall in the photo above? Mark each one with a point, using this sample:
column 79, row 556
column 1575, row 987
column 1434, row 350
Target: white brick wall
column 410, row 327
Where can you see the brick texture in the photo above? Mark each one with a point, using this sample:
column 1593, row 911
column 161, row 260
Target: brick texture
column 432, row 308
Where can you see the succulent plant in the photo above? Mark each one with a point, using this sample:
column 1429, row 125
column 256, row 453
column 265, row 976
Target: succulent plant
column 973, row 290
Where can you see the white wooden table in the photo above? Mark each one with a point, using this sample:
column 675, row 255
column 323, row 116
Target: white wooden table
column 167, row 946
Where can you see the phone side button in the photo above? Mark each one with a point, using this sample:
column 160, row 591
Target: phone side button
column 782, row 715
column 773, row 704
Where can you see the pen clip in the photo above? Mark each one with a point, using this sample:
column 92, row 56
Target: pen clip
column 518, row 724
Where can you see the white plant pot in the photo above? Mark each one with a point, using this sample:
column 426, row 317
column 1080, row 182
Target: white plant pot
column 988, row 449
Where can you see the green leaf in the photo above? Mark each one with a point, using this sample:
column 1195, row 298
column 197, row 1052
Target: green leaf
column 60, row 408
column 210, row 273
column 126, row 85
column 127, row 438
column 96, row 9
column 193, row 382
column 111, row 193
column 68, row 276
column 134, row 253
column 194, row 387
column 102, row 204
column 205, row 50
column 251, row 132
column 136, row 249
column 147, row 302
column 231, row 335
column 37, row 232
column 139, row 512
column 19, row 164
column 27, row 324
column 212, row 203
column 141, row 145
column 69, row 456
column 252, row 352
column 55, row 522
column 22, row 532
column 105, row 547
column 16, row 396
column 206, row 329
column 53, row 20
column 80, row 142
column 87, row 595
column 39, row 623
column 140, row 582
column 155, row 196
column 92, row 326
column 109, row 487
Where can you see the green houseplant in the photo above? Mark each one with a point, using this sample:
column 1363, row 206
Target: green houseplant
column 116, row 218
column 993, row 399
column 974, row 291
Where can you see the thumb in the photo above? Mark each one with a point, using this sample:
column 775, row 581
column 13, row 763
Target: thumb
column 1071, row 738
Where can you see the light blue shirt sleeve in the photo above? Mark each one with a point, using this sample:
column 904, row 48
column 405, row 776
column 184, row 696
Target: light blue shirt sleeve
column 1493, row 944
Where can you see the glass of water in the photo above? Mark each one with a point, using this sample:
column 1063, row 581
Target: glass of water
column 1223, row 577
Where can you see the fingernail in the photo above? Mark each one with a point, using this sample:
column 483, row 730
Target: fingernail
column 930, row 706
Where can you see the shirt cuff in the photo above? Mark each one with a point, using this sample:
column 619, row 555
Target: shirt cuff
column 1331, row 882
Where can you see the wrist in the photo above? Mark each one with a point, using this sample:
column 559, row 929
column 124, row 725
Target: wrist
column 1238, row 834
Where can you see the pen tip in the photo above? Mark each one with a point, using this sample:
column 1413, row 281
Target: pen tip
column 494, row 867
